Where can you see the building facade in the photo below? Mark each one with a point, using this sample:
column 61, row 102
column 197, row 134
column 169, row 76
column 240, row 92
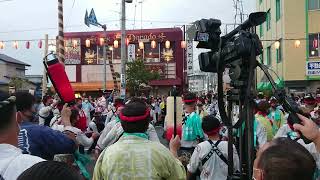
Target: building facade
column 12, row 71
column 202, row 82
column 84, row 57
column 290, row 38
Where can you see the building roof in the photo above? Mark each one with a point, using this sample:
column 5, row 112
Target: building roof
column 34, row 76
column 3, row 82
column 9, row 59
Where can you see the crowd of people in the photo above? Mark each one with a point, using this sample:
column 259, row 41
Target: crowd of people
column 52, row 140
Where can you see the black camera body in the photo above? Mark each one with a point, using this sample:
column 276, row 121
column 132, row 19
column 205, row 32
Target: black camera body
column 229, row 48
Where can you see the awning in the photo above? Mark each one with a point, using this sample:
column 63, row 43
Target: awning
column 92, row 86
column 265, row 86
column 280, row 83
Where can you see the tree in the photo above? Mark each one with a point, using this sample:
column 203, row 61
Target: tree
column 138, row 74
column 17, row 82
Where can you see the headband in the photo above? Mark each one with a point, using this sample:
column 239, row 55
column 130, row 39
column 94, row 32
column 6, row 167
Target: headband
column 8, row 101
column 213, row 131
column 134, row 118
column 190, row 100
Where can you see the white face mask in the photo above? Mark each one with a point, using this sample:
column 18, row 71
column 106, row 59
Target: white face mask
column 86, row 100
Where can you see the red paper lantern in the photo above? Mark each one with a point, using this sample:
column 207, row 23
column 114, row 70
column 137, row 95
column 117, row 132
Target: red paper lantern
column 15, row 44
column 315, row 43
column 40, row 44
column 2, row 45
column 28, row 45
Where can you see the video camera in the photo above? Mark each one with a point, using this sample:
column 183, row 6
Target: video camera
column 237, row 51
column 230, row 47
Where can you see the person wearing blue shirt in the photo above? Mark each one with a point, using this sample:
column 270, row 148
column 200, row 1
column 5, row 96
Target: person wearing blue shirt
column 87, row 108
column 39, row 140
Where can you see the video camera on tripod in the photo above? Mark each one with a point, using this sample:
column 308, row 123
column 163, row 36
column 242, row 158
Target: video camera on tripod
column 237, row 51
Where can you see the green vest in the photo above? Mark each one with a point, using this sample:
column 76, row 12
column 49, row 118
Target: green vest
column 266, row 124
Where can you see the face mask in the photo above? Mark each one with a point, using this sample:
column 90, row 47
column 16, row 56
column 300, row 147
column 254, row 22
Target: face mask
column 86, row 101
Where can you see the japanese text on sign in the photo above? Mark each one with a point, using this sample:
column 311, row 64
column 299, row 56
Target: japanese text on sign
column 313, row 68
column 189, row 57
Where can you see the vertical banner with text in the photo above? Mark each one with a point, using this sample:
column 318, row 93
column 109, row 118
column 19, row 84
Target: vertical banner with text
column 131, row 52
column 189, row 57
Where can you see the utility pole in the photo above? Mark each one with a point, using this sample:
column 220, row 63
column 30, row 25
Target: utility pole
column 105, row 59
column 44, row 77
column 123, row 48
column 61, row 34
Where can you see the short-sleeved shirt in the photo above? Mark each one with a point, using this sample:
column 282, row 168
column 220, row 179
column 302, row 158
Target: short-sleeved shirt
column 13, row 162
column 134, row 157
column 215, row 167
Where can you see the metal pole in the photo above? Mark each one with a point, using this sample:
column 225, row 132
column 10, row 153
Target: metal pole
column 123, row 49
column 104, row 62
column 208, row 82
column 61, row 34
column 44, row 77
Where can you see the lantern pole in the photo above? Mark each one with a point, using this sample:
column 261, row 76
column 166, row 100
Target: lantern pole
column 44, row 77
column 104, row 60
column 61, row 34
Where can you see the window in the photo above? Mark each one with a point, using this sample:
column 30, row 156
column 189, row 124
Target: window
column 261, row 30
column 261, row 58
column 279, row 52
column 268, row 20
column 278, row 9
column 313, row 45
column 269, row 56
column 314, row 4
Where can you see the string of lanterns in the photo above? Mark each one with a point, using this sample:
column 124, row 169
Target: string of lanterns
column 15, row 44
column 140, row 44
column 297, row 44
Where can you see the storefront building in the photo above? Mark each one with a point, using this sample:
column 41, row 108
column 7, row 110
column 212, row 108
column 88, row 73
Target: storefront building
column 162, row 51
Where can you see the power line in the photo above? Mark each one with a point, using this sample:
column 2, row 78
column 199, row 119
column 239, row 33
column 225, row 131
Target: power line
column 83, row 25
column 5, row 1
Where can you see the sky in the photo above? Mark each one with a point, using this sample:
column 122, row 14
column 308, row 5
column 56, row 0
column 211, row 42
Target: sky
column 32, row 19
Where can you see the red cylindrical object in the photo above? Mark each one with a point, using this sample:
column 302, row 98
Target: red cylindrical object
column 40, row 44
column 60, row 81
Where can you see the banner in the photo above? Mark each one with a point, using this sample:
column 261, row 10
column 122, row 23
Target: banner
column 189, row 57
column 131, row 52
